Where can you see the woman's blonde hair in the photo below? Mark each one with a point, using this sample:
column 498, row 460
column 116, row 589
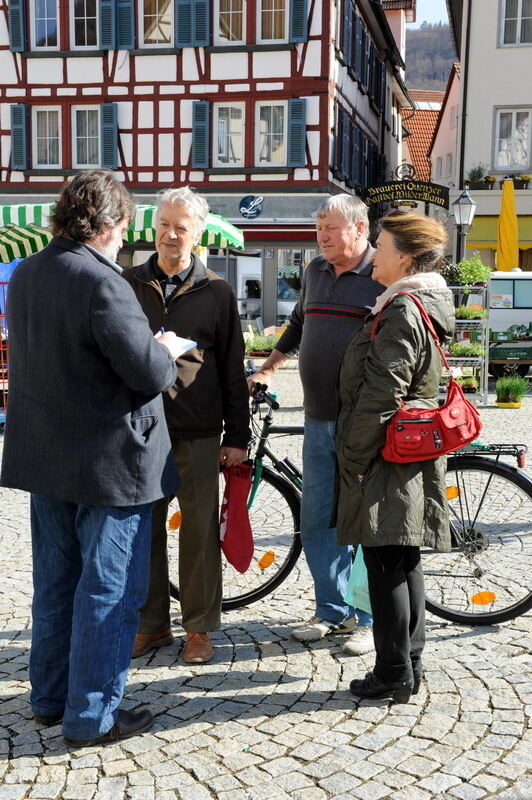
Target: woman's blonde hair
column 422, row 238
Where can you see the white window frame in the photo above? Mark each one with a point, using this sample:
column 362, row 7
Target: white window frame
column 513, row 166
column 439, row 167
column 517, row 42
column 75, row 162
column 217, row 38
column 260, row 38
column 258, row 106
column 34, row 144
column 33, row 37
column 216, row 109
column 72, row 25
column 156, row 45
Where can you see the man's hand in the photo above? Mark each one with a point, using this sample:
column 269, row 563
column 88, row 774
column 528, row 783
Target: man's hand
column 231, row 456
column 262, row 378
column 169, row 340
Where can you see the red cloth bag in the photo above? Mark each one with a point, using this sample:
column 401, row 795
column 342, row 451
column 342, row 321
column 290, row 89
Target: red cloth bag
column 236, row 537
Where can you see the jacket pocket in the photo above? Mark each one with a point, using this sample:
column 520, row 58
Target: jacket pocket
column 144, row 425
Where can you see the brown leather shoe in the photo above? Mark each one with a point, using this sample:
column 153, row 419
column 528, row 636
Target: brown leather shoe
column 144, row 642
column 198, row 648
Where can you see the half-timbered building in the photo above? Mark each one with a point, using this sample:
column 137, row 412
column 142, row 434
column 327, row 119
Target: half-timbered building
column 266, row 106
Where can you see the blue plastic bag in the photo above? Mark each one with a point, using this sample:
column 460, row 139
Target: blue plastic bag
column 357, row 593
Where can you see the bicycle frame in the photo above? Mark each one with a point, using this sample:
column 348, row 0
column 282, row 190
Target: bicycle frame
column 284, row 466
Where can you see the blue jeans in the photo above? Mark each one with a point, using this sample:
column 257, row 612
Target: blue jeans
column 90, row 577
column 329, row 563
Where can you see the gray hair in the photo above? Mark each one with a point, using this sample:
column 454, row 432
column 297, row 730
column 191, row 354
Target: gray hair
column 352, row 208
column 195, row 204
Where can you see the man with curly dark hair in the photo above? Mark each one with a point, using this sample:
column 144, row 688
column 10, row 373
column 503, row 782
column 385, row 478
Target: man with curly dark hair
column 86, row 436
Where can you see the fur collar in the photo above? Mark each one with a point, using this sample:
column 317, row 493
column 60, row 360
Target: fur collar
column 411, row 283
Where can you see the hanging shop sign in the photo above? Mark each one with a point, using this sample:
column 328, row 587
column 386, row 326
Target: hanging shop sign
column 251, row 206
column 407, row 191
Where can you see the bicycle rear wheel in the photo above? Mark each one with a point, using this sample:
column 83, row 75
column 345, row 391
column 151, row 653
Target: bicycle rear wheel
column 274, row 517
column 485, row 580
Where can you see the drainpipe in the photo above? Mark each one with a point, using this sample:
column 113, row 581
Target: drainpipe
column 464, row 95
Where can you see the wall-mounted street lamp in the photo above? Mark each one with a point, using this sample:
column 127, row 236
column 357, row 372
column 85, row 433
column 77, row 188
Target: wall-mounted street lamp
column 464, row 208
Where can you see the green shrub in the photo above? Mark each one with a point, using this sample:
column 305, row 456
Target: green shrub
column 258, row 342
column 468, row 382
column 465, row 312
column 511, row 389
column 477, row 173
column 472, row 270
column 462, row 349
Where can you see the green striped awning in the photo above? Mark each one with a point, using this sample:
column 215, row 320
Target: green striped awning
column 218, row 231
column 18, row 242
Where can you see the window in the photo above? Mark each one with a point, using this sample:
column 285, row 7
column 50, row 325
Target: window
column 439, row 167
column 273, row 20
column 156, row 23
column 229, row 134
column 84, row 30
column 230, row 21
column 523, row 294
column 449, row 164
column 86, row 134
column 271, row 134
column 45, row 24
column 46, row 139
column 512, row 139
column 517, row 22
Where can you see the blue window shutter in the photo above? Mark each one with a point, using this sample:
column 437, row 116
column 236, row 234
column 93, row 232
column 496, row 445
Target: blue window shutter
column 346, row 31
column 17, row 26
column 183, row 25
column 109, row 135
column 345, row 146
column 338, row 140
column 107, row 25
column 201, row 23
column 297, row 133
column 200, row 133
column 298, row 21
column 125, row 25
column 19, row 137
column 357, row 60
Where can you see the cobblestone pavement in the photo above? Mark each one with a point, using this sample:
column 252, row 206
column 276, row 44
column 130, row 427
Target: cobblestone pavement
column 269, row 718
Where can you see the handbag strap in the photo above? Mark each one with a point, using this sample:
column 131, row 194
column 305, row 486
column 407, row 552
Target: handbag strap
column 424, row 316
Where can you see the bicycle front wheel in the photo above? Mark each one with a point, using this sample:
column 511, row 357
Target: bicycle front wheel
column 485, row 580
column 274, row 517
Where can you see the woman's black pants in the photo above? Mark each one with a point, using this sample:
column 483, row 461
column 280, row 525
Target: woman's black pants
column 397, row 594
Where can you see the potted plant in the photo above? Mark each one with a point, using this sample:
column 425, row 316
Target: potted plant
column 468, row 384
column 260, row 345
column 510, row 391
column 476, row 177
column 468, row 312
column 466, row 349
column 520, row 181
column 491, row 180
column 525, row 180
column 472, row 271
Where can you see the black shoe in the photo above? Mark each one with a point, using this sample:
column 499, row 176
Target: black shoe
column 419, row 674
column 127, row 724
column 48, row 719
column 373, row 687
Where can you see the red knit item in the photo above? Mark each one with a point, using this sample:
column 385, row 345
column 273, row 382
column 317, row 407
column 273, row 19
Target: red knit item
column 236, row 537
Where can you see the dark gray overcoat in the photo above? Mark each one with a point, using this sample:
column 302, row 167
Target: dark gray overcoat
column 85, row 420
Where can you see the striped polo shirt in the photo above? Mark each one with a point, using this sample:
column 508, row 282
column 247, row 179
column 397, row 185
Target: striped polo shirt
column 330, row 309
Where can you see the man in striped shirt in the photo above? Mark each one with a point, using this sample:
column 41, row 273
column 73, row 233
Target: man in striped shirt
column 336, row 295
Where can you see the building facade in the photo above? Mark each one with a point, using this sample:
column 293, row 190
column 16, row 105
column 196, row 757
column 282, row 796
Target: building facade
column 494, row 136
column 264, row 107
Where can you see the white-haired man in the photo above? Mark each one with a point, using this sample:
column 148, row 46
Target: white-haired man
column 179, row 294
column 336, row 295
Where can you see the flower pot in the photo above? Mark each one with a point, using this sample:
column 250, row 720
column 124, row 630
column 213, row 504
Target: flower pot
column 480, row 184
column 508, row 404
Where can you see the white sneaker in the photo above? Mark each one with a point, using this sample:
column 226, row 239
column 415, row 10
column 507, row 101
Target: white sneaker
column 316, row 628
column 360, row 641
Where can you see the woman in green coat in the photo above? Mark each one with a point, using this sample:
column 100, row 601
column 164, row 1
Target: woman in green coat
column 392, row 509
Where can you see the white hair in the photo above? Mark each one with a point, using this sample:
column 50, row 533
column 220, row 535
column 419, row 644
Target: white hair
column 195, row 204
column 352, row 208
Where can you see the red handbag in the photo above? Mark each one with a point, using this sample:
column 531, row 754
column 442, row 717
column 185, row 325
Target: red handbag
column 419, row 434
column 236, row 537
